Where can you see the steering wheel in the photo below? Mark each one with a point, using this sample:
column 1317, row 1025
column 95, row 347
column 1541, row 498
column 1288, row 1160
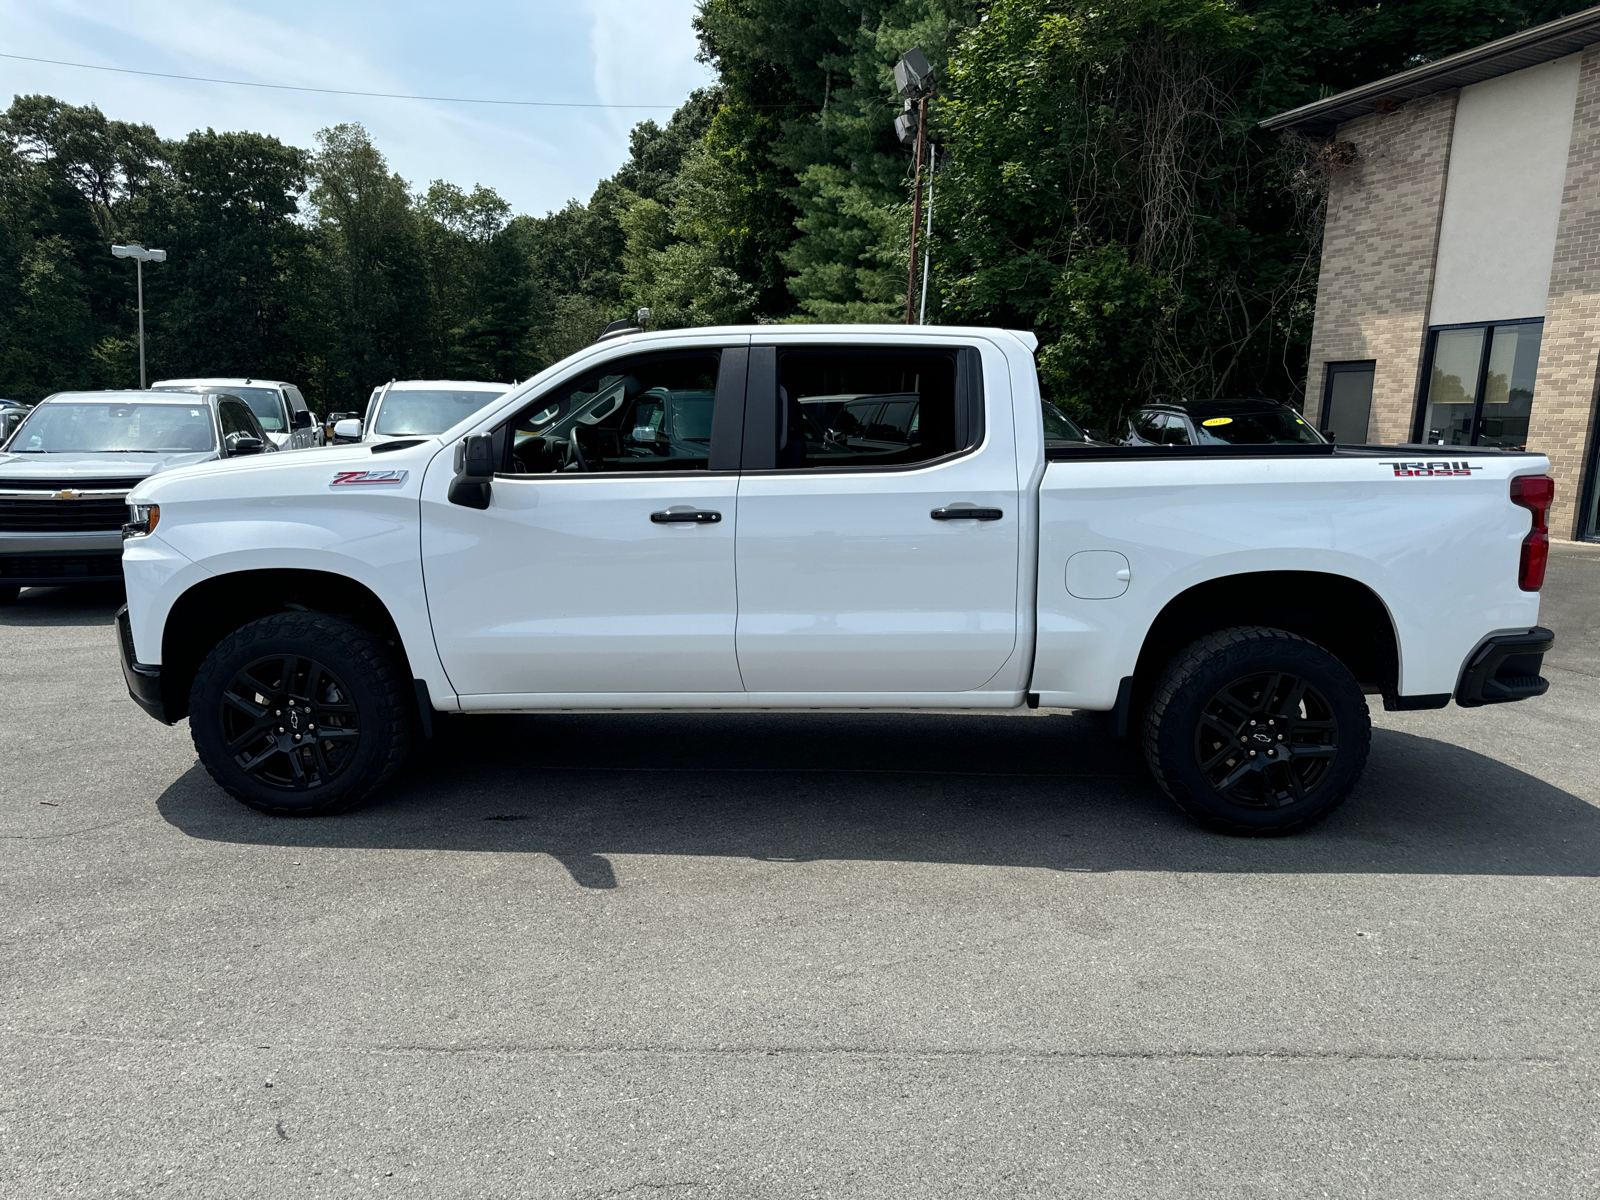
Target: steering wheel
column 575, row 452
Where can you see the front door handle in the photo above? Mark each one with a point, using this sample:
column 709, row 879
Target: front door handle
column 693, row 516
column 966, row 514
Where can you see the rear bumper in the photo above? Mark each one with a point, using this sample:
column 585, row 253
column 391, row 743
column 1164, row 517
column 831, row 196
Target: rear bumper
column 144, row 682
column 1505, row 667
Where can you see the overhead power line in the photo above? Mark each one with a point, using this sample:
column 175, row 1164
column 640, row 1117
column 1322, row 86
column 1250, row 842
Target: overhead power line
column 289, row 87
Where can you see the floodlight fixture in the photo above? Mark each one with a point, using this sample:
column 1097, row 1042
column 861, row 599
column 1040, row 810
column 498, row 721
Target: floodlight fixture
column 905, row 127
column 140, row 256
column 913, row 75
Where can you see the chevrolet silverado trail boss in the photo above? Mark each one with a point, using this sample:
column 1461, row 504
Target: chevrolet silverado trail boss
column 660, row 521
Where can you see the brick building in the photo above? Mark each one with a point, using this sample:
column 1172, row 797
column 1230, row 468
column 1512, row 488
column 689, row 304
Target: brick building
column 1459, row 301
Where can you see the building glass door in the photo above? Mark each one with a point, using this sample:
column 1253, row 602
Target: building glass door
column 1480, row 385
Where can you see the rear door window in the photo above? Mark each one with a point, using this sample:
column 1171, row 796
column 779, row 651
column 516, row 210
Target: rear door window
column 843, row 408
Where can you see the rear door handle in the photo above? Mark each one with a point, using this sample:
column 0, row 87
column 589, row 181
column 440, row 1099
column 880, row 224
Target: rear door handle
column 966, row 514
column 693, row 516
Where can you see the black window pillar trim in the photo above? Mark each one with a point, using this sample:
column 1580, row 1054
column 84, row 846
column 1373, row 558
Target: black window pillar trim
column 760, row 433
column 728, row 410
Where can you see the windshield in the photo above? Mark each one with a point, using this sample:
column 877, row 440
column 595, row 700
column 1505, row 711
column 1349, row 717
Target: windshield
column 113, row 428
column 1260, row 428
column 1058, row 427
column 264, row 402
column 427, row 412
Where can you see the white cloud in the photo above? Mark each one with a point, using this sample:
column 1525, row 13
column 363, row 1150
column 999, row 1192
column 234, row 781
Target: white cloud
column 600, row 51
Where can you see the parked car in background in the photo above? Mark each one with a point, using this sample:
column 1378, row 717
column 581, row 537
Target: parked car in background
column 418, row 408
column 70, row 464
column 1252, row 422
column 1058, row 427
column 281, row 409
column 11, row 416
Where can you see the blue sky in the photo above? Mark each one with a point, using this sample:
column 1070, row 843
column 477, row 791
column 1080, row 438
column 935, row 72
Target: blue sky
column 597, row 51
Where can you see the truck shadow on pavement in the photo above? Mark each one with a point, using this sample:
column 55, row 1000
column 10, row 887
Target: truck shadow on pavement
column 1048, row 791
column 80, row 605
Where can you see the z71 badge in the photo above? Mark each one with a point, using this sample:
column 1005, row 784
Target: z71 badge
column 368, row 478
column 1424, row 470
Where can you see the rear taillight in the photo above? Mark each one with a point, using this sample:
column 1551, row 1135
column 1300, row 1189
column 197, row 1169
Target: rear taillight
column 1534, row 493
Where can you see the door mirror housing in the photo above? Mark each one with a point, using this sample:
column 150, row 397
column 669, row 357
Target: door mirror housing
column 347, row 430
column 245, row 445
column 300, row 419
column 474, row 466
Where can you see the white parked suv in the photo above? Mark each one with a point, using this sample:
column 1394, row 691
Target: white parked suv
column 407, row 407
column 279, row 406
column 657, row 522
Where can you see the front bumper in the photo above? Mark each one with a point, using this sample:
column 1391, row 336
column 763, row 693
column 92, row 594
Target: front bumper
column 1505, row 667
column 43, row 559
column 144, row 682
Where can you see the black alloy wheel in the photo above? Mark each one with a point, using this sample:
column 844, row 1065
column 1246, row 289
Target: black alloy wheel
column 290, row 723
column 301, row 714
column 1266, row 741
column 1257, row 731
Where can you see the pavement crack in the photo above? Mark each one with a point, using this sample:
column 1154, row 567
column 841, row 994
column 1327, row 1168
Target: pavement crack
column 864, row 1053
column 55, row 837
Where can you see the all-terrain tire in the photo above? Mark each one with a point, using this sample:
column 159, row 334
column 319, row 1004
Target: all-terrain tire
column 1263, row 690
column 280, row 676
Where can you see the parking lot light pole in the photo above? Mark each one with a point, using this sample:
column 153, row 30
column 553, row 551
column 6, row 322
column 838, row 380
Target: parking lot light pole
column 140, row 256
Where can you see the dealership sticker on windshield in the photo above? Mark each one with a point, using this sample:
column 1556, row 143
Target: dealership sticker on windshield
column 1217, row 421
column 368, row 478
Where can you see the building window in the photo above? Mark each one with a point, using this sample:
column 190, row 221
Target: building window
column 1347, row 402
column 1479, row 389
column 1589, row 513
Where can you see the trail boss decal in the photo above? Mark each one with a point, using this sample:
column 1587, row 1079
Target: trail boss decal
column 368, row 478
column 1422, row 470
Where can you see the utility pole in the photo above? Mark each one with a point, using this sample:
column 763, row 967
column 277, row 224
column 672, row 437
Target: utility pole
column 140, row 256
column 913, row 78
column 927, row 232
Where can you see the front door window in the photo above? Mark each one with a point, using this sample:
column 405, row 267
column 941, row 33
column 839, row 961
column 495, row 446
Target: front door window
column 1480, row 385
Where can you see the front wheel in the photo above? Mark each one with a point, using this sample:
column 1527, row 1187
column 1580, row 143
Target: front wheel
column 300, row 714
column 1257, row 732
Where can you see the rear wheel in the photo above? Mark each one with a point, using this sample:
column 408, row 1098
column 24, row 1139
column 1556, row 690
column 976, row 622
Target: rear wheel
column 1257, row 732
column 300, row 714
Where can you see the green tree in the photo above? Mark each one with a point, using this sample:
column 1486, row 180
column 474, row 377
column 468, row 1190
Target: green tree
column 231, row 298
column 374, row 282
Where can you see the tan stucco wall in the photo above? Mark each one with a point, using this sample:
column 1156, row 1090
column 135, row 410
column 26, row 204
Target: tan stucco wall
column 1378, row 253
column 1564, row 394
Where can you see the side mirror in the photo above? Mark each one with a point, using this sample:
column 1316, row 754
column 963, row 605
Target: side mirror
column 245, row 445
column 474, row 471
column 347, row 430
column 301, row 419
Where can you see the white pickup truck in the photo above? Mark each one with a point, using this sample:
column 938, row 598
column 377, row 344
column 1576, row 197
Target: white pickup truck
column 820, row 517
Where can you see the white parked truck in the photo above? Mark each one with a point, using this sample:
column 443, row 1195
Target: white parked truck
column 662, row 521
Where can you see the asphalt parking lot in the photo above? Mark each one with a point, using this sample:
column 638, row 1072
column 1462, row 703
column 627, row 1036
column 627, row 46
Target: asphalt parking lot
column 787, row 955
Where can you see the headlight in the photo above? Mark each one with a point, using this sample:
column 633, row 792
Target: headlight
column 142, row 520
